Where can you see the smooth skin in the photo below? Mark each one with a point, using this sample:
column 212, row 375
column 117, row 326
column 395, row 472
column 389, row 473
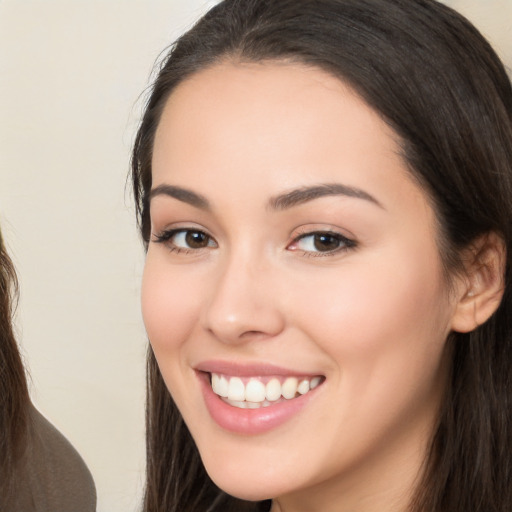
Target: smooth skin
column 345, row 282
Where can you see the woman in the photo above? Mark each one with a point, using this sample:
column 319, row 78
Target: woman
column 14, row 394
column 324, row 191
column 39, row 469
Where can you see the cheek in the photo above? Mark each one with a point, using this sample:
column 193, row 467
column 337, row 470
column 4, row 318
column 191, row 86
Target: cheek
column 170, row 312
column 381, row 329
column 168, row 306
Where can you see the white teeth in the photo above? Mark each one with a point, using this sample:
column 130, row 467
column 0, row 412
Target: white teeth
column 303, row 387
column 314, row 382
column 223, row 386
column 236, row 389
column 255, row 393
column 289, row 387
column 220, row 385
column 273, row 390
column 239, row 404
column 215, row 383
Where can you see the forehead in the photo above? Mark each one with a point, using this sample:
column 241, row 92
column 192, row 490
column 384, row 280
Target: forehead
column 263, row 95
column 274, row 123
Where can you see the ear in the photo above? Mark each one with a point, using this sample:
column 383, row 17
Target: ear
column 480, row 289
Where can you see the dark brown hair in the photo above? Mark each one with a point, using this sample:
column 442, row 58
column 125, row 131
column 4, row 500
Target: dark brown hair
column 441, row 87
column 14, row 397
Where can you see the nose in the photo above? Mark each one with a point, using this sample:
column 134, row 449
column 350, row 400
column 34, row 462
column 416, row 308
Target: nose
column 243, row 305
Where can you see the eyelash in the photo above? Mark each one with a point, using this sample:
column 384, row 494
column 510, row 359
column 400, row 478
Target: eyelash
column 345, row 243
column 165, row 237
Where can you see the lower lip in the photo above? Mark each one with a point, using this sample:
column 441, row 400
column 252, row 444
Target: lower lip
column 250, row 421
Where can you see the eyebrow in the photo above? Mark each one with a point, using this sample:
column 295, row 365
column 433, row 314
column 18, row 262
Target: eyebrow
column 305, row 194
column 182, row 194
column 280, row 202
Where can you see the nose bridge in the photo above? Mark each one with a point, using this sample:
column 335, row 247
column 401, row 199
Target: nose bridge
column 242, row 305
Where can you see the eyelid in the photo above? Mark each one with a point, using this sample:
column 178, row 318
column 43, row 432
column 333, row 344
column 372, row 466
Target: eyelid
column 346, row 242
column 175, row 227
column 166, row 235
column 318, row 227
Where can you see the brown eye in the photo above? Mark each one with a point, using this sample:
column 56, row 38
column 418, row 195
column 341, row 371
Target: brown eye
column 324, row 242
column 196, row 239
column 185, row 239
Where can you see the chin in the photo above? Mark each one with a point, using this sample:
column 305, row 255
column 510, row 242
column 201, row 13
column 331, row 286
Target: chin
column 246, row 490
column 242, row 480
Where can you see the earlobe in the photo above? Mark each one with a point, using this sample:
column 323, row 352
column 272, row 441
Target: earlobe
column 480, row 290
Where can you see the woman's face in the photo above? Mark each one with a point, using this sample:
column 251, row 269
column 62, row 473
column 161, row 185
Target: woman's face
column 292, row 255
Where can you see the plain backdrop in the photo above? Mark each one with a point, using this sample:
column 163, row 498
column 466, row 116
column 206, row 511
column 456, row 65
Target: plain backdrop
column 71, row 76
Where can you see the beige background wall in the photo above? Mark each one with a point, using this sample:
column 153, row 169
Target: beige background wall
column 493, row 18
column 71, row 72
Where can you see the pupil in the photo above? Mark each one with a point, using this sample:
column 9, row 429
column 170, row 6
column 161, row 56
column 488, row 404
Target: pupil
column 196, row 239
column 325, row 242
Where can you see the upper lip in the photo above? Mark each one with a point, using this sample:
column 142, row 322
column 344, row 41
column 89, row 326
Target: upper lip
column 248, row 369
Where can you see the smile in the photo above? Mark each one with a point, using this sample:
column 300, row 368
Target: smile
column 253, row 398
column 256, row 392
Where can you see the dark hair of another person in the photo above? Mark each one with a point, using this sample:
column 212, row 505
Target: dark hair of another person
column 441, row 87
column 14, row 397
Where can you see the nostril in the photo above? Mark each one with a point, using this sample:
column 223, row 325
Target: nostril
column 251, row 327
column 253, row 334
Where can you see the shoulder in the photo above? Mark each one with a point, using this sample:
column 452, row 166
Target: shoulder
column 57, row 479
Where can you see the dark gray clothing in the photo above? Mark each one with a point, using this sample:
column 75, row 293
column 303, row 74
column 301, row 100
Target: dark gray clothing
column 53, row 477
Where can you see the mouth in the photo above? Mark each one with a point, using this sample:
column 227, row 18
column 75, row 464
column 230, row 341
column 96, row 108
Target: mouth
column 264, row 391
column 254, row 398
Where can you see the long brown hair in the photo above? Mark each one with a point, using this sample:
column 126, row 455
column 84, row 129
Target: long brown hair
column 441, row 87
column 14, row 397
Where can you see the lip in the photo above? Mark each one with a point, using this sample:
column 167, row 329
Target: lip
column 249, row 369
column 251, row 421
